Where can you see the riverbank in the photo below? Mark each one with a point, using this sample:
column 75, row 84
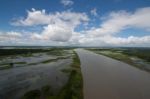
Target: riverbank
column 139, row 58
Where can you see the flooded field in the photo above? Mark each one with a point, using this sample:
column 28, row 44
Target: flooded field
column 22, row 73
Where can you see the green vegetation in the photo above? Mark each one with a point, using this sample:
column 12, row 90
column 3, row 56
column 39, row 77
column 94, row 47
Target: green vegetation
column 143, row 53
column 34, row 94
column 48, row 61
column 6, row 52
column 140, row 55
column 19, row 62
column 53, row 60
column 13, row 53
column 6, row 66
column 71, row 90
column 10, row 65
column 66, row 70
column 28, row 52
column 43, row 93
column 56, row 51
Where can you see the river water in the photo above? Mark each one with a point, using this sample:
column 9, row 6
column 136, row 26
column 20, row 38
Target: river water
column 106, row 78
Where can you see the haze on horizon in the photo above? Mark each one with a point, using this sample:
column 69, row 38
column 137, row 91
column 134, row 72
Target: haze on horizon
column 75, row 23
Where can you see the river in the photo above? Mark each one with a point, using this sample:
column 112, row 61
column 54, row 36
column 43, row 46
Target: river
column 106, row 78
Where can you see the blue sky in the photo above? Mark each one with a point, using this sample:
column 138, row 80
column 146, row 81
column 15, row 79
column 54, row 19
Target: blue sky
column 75, row 22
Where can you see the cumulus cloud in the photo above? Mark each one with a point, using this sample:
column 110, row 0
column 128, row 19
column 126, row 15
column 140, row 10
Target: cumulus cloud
column 40, row 17
column 67, row 2
column 59, row 28
column 121, row 20
column 94, row 12
column 59, row 25
column 34, row 17
column 54, row 33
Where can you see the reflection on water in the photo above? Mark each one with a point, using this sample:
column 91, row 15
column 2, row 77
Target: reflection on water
column 14, row 82
column 141, row 62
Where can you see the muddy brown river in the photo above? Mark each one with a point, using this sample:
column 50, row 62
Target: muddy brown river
column 106, row 78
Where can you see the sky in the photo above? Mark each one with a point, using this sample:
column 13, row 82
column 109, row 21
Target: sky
column 121, row 23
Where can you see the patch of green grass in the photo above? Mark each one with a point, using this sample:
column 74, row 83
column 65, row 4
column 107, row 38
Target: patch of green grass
column 34, row 94
column 56, row 51
column 25, row 52
column 74, row 87
column 48, row 61
column 44, row 93
column 33, row 63
column 29, row 52
column 117, row 55
column 66, row 70
column 53, row 60
column 6, row 66
column 9, row 65
column 19, row 62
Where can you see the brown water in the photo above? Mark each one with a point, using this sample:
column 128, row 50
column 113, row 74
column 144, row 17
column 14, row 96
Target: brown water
column 106, row 78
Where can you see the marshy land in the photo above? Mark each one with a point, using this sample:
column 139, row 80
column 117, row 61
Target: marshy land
column 40, row 73
column 54, row 73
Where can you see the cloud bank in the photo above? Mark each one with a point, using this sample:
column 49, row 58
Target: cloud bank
column 60, row 27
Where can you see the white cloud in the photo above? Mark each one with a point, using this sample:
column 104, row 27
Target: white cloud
column 107, row 40
column 121, row 20
column 59, row 25
column 40, row 17
column 54, row 33
column 34, row 17
column 9, row 36
column 67, row 2
column 59, row 28
column 126, row 41
column 94, row 12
